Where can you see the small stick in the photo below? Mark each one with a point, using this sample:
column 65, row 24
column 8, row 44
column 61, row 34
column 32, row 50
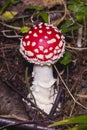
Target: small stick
column 79, row 38
column 8, row 122
column 57, row 100
column 12, row 75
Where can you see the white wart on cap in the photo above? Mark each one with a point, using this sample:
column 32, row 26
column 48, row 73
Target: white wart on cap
column 43, row 44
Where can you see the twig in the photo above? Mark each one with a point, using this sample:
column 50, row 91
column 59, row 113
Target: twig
column 6, row 122
column 27, row 85
column 10, row 36
column 68, row 89
column 9, row 46
column 57, row 100
column 79, row 37
column 9, row 26
column 72, row 109
column 76, row 48
column 12, row 75
column 85, row 29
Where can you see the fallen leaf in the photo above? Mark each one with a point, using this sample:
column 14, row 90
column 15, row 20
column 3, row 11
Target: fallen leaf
column 45, row 3
column 7, row 15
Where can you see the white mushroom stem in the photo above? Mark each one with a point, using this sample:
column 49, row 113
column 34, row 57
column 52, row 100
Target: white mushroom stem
column 43, row 87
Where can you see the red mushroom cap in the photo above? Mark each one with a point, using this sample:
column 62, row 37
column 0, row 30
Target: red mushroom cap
column 43, row 44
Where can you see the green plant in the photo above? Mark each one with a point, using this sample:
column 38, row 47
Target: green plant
column 79, row 9
column 7, row 3
column 66, row 58
column 79, row 122
column 78, row 16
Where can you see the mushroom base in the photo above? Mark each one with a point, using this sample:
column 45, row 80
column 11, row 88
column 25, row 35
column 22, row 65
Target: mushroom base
column 43, row 87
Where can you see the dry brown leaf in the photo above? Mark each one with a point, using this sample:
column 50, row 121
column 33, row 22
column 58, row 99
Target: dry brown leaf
column 51, row 3
column 82, row 95
column 45, row 3
column 33, row 2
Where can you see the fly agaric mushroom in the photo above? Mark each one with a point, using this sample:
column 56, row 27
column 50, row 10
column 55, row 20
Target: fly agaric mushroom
column 43, row 45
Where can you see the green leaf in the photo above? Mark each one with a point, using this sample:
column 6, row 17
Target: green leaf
column 24, row 29
column 75, row 5
column 7, row 15
column 68, row 22
column 66, row 58
column 44, row 16
column 68, row 29
column 79, row 8
column 37, row 8
column 73, row 120
column 5, row 6
column 15, row 1
column 79, row 17
column 79, row 127
column 69, row 26
column 81, row 13
column 83, row 9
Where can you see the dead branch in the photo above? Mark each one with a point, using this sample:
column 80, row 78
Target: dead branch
column 8, row 122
